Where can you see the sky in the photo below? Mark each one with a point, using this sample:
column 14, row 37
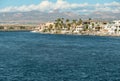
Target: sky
column 78, row 6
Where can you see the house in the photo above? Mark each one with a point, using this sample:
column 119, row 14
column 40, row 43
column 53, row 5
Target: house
column 95, row 25
column 43, row 26
column 78, row 29
column 113, row 27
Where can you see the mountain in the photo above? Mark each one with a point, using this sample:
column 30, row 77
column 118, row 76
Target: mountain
column 35, row 17
column 105, row 15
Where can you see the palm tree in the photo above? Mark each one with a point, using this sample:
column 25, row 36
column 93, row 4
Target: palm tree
column 66, row 23
column 59, row 24
column 90, row 19
column 56, row 25
column 62, row 19
column 50, row 27
column 79, row 22
column 74, row 22
column 85, row 27
column 69, row 26
column 93, row 25
column 67, row 20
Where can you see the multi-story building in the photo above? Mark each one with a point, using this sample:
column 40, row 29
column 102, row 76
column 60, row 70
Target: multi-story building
column 113, row 27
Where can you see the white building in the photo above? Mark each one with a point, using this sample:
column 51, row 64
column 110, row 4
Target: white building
column 113, row 27
column 78, row 29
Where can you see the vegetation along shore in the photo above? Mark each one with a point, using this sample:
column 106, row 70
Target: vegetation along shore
column 16, row 27
column 80, row 27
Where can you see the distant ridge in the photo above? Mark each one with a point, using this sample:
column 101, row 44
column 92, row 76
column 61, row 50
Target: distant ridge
column 36, row 17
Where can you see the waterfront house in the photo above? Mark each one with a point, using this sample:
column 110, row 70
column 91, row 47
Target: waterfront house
column 113, row 27
column 95, row 25
column 43, row 26
column 78, row 29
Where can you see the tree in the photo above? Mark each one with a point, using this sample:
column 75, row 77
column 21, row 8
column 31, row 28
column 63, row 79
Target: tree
column 93, row 25
column 22, row 27
column 11, row 28
column 67, row 20
column 62, row 19
column 50, row 27
column 59, row 24
column 56, row 25
column 1, row 27
column 74, row 23
column 67, row 24
column 85, row 27
column 90, row 19
column 79, row 22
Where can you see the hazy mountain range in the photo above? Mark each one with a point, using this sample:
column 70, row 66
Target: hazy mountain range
column 35, row 17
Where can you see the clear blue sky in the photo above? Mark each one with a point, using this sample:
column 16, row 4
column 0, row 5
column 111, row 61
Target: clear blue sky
column 7, row 3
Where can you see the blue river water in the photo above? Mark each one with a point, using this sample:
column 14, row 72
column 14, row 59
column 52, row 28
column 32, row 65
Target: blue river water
column 26, row 56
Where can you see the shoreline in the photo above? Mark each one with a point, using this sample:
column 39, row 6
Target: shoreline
column 15, row 30
column 82, row 34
